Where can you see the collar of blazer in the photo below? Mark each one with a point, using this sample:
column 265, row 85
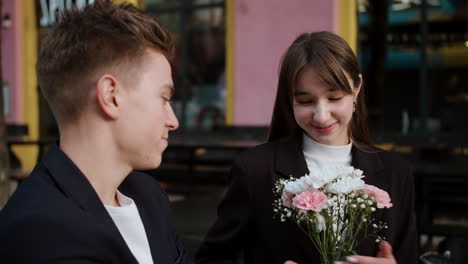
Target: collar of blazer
column 290, row 161
column 70, row 179
column 72, row 182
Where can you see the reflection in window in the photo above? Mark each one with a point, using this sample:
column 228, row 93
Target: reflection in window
column 198, row 28
column 395, row 106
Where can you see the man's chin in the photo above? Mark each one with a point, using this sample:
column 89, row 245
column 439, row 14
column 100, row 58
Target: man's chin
column 150, row 166
column 155, row 165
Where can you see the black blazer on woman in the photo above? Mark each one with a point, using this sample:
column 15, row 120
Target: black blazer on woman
column 245, row 217
column 55, row 216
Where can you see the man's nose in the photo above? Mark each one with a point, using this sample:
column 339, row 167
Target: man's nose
column 172, row 121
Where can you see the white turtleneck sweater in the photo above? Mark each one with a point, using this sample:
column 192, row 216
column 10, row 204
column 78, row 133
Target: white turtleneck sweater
column 319, row 156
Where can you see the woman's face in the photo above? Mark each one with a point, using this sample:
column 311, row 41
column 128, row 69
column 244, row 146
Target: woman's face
column 323, row 112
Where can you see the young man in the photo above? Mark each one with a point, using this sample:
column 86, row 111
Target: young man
column 105, row 73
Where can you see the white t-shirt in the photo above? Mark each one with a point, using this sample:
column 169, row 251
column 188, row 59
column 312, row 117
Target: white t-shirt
column 128, row 221
column 319, row 156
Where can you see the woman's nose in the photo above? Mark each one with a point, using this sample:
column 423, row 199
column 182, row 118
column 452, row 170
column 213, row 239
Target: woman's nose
column 321, row 114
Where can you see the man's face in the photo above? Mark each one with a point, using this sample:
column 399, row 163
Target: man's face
column 147, row 115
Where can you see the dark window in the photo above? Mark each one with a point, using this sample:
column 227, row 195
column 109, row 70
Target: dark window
column 198, row 27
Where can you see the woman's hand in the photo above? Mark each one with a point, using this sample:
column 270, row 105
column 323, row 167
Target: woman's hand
column 385, row 256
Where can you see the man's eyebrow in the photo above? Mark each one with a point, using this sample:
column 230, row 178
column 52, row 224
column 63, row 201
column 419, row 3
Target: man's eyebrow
column 170, row 87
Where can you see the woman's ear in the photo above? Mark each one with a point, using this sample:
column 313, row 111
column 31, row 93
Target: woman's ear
column 357, row 89
column 106, row 96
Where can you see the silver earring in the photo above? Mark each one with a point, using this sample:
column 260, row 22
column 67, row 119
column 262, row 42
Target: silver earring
column 354, row 106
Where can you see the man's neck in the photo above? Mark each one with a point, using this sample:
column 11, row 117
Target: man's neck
column 98, row 160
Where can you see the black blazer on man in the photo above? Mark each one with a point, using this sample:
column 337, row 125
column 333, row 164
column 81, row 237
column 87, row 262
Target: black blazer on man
column 245, row 217
column 55, row 216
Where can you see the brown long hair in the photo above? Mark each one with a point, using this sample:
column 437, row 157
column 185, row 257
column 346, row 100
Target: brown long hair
column 330, row 56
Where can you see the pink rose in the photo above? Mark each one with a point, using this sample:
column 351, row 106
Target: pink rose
column 287, row 198
column 381, row 197
column 314, row 200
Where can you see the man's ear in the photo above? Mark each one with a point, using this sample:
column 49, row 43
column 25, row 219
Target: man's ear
column 106, row 96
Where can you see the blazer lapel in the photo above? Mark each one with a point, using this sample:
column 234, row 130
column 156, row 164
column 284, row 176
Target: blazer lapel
column 289, row 158
column 367, row 159
column 76, row 186
column 151, row 228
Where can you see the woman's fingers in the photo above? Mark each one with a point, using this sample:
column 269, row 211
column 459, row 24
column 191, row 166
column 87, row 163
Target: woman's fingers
column 385, row 256
column 385, row 250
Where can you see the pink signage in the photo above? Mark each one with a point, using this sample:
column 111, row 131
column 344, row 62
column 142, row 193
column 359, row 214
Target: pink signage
column 263, row 31
column 11, row 60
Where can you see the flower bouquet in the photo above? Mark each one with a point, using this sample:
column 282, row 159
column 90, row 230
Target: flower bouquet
column 331, row 206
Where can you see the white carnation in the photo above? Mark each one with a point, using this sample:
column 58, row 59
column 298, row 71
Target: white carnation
column 298, row 186
column 317, row 178
column 336, row 179
column 345, row 185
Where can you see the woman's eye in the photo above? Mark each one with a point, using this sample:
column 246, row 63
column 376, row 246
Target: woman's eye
column 335, row 98
column 304, row 102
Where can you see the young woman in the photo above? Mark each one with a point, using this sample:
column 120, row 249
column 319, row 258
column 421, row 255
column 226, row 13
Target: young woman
column 319, row 119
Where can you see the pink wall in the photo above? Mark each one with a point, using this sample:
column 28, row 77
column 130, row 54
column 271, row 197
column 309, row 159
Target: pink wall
column 263, row 31
column 11, row 59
